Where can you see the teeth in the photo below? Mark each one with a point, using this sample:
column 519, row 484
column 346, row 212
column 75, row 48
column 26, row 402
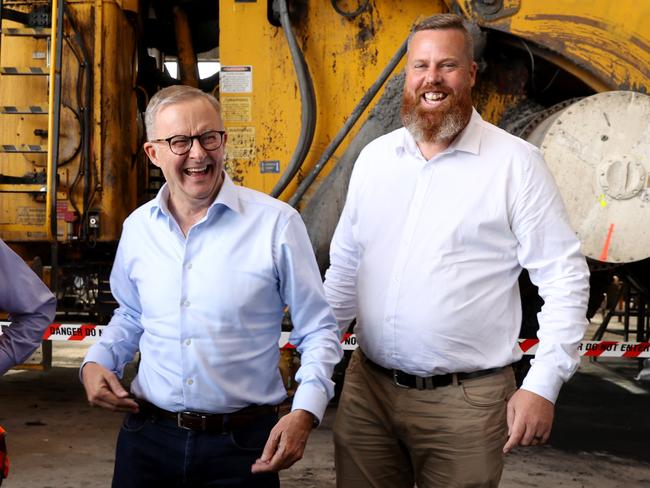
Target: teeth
column 194, row 171
column 434, row 97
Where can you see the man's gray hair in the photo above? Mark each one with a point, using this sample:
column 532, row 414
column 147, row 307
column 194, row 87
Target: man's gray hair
column 441, row 22
column 171, row 95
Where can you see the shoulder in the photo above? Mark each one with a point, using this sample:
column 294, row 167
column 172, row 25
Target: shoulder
column 8, row 258
column 140, row 214
column 496, row 141
column 386, row 142
column 258, row 202
column 381, row 149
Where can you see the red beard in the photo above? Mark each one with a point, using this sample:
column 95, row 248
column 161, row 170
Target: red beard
column 441, row 124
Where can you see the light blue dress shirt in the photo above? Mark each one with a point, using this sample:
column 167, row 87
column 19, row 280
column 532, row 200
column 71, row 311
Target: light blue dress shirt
column 31, row 306
column 205, row 310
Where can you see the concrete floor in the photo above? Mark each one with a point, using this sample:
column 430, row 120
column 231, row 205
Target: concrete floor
column 601, row 435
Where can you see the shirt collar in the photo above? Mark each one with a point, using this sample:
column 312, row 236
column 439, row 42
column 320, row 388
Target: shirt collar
column 227, row 196
column 469, row 139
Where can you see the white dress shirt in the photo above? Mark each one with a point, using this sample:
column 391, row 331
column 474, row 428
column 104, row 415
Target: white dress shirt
column 427, row 255
column 205, row 311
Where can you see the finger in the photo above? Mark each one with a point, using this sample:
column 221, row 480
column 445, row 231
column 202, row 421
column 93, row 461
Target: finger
column 542, row 438
column 274, row 464
column 107, row 399
column 115, row 386
column 277, row 462
column 270, row 447
column 516, row 432
column 111, row 406
column 528, row 437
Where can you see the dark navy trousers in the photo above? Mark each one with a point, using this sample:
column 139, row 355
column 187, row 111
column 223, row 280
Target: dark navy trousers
column 153, row 452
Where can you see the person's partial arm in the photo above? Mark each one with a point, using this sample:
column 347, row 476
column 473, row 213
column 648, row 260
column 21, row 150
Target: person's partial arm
column 106, row 359
column 31, row 306
column 341, row 276
column 550, row 251
column 315, row 335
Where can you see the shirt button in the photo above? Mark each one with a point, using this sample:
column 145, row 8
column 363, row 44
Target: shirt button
column 186, row 303
column 189, row 382
column 188, row 342
column 189, row 266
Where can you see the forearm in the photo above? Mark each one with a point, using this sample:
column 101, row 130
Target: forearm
column 118, row 344
column 24, row 335
column 320, row 353
column 563, row 323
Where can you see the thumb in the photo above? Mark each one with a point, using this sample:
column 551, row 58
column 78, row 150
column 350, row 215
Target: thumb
column 115, row 386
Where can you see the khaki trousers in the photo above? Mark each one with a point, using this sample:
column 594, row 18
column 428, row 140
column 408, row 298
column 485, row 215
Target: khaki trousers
column 390, row 437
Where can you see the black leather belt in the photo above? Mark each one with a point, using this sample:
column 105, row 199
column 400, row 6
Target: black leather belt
column 209, row 422
column 406, row 380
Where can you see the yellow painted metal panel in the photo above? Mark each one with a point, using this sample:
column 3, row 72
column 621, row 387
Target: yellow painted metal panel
column 603, row 39
column 344, row 57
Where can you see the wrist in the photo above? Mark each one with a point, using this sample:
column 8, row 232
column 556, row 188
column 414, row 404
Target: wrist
column 313, row 420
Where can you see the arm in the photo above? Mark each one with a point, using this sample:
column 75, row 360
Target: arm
column 341, row 276
column 31, row 308
column 106, row 359
column 550, row 251
column 316, row 338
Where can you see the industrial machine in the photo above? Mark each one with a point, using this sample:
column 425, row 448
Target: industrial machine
column 304, row 85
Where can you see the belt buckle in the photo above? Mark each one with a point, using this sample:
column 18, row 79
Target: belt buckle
column 180, row 422
column 396, row 381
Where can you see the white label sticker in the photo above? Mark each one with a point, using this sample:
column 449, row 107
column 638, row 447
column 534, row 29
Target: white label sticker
column 236, row 79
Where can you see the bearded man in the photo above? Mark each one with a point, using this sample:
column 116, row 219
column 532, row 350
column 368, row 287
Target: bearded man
column 441, row 217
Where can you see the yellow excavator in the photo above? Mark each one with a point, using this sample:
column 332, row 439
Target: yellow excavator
column 304, row 85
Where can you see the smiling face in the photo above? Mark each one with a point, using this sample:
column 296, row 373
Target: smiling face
column 437, row 98
column 194, row 179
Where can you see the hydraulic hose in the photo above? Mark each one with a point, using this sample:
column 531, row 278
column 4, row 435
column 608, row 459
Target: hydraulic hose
column 349, row 123
column 308, row 104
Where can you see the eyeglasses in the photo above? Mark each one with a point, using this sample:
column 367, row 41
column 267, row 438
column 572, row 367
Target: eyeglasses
column 179, row 145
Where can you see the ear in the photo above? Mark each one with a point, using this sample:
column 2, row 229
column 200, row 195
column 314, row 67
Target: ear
column 472, row 72
column 151, row 151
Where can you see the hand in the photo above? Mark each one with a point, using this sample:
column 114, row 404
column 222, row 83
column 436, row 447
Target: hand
column 286, row 442
column 530, row 418
column 103, row 389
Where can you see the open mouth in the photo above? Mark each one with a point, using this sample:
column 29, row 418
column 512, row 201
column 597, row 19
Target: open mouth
column 199, row 171
column 433, row 97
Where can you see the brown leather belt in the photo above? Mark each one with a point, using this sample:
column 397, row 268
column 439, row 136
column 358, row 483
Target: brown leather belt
column 406, row 380
column 209, row 422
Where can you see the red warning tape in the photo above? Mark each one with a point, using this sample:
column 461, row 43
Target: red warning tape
column 92, row 332
column 73, row 332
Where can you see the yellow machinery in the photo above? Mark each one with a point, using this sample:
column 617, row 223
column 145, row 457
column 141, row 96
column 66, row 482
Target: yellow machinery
column 303, row 86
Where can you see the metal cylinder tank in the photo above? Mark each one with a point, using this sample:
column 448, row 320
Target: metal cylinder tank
column 598, row 149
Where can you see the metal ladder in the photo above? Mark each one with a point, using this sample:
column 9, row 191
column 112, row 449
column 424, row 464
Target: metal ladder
column 12, row 78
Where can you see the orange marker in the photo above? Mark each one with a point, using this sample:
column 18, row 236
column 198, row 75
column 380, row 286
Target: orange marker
column 608, row 240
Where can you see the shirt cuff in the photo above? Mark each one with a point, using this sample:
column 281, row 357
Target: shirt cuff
column 543, row 383
column 312, row 399
column 99, row 355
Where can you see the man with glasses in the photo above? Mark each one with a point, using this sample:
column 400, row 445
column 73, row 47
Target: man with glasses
column 202, row 276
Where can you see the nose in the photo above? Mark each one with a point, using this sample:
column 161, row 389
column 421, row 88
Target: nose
column 432, row 76
column 196, row 149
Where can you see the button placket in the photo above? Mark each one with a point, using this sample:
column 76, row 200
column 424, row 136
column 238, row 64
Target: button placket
column 415, row 209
